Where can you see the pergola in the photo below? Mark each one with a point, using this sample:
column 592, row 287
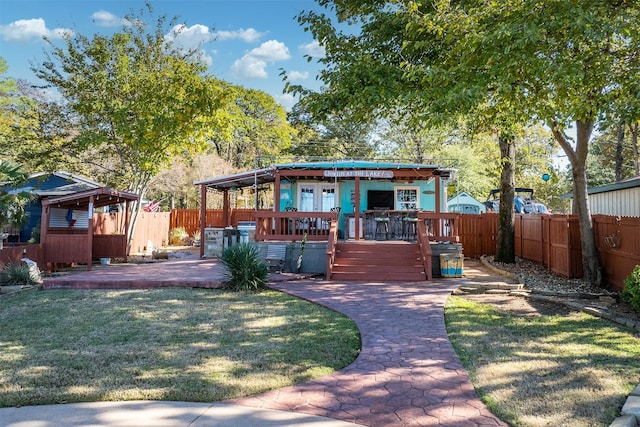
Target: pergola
column 67, row 245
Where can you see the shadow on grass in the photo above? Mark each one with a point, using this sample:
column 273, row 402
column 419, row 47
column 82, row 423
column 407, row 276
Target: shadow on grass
column 569, row 368
column 163, row 344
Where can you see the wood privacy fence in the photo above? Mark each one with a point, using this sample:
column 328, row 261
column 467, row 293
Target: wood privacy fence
column 554, row 241
column 151, row 226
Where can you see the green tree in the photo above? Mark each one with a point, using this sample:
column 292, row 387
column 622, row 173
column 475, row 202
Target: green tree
column 134, row 99
column 254, row 126
column 12, row 204
column 331, row 135
column 567, row 60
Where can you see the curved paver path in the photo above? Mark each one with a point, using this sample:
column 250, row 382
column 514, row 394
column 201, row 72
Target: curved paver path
column 407, row 373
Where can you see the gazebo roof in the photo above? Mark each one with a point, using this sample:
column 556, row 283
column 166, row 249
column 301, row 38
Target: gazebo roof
column 102, row 196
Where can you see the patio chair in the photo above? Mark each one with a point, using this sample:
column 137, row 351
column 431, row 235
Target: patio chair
column 276, row 255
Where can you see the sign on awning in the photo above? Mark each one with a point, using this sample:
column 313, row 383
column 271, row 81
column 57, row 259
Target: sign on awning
column 378, row 174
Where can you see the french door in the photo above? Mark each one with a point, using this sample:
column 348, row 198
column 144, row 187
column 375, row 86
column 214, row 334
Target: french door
column 316, row 197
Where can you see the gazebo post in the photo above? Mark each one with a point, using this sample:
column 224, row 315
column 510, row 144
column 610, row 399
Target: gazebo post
column 203, row 216
column 90, row 234
column 225, row 207
column 44, row 228
column 126, row 230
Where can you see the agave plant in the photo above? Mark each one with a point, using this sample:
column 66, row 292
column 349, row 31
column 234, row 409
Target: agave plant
column 246, row 270
column 15, row 274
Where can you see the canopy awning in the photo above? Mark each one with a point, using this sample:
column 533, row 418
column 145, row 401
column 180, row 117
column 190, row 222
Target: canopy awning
column 240, row 180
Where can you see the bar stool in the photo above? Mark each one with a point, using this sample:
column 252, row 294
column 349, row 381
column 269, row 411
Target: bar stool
column 410, row 225
column 396, row 226
column 382, row 224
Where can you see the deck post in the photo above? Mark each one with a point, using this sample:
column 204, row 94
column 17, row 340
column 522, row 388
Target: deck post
column 356, row 209
column 276, row 200
column 438, row 195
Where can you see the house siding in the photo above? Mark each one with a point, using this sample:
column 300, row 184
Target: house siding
column 624, row 202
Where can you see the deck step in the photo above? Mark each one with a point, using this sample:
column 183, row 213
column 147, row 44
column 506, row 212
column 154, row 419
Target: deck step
column 378, row 262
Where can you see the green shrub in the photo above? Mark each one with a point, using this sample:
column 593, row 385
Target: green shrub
column 631, row 291
column 178, row 236
column 246, row 270
column 14, row 274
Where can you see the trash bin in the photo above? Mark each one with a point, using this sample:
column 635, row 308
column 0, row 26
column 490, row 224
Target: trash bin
column 244, row 236
column 451, row 265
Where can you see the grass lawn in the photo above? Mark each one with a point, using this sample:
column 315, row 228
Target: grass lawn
column 164, row 344
column 555, row 370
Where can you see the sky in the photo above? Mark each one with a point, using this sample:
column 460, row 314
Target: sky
column 245, row 42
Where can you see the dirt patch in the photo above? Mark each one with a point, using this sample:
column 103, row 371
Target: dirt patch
column 520, row 306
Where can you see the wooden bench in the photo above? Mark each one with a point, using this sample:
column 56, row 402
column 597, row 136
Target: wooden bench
column 276, row 255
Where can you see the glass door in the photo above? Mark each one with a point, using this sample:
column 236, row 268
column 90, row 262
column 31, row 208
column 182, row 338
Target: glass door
column 316, row 197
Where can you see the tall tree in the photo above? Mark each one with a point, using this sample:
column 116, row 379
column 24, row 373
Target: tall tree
column 567, row 58
column 555, row 61
column 331, row 135
column 254, row 126
column 133, row 98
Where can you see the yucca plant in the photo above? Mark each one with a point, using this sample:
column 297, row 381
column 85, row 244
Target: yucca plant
column 246, row 270
column 15, row 274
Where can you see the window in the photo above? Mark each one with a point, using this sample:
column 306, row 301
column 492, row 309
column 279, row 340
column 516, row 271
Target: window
column 407, row 198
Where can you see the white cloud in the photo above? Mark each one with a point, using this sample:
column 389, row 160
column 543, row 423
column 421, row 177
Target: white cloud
column 108, row 19
column 254, row 63
column 249, row 67
column 249, row 35
column 271, row 50
column 286, row 100
column 191, row 38
column 313, row 49
column 298, row 75
column 27, row 30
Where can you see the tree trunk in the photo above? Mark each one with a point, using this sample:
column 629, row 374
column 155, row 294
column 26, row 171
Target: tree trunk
column 578, row 158
column 634, row 145
column 505, row 250
column 619, row 146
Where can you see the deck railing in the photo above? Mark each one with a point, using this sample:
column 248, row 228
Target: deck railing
column 293, row 226
column 331, row 248
column 425, row 248
column 441, row 227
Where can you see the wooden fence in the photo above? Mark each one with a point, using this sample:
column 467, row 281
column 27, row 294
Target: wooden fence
column 151, row 226
column 190, row 218
column 554, row 241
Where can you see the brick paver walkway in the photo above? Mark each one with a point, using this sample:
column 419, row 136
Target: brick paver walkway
column 407, row 373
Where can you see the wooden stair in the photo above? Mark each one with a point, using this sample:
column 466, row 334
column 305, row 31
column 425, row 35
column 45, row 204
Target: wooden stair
column 375, row 261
